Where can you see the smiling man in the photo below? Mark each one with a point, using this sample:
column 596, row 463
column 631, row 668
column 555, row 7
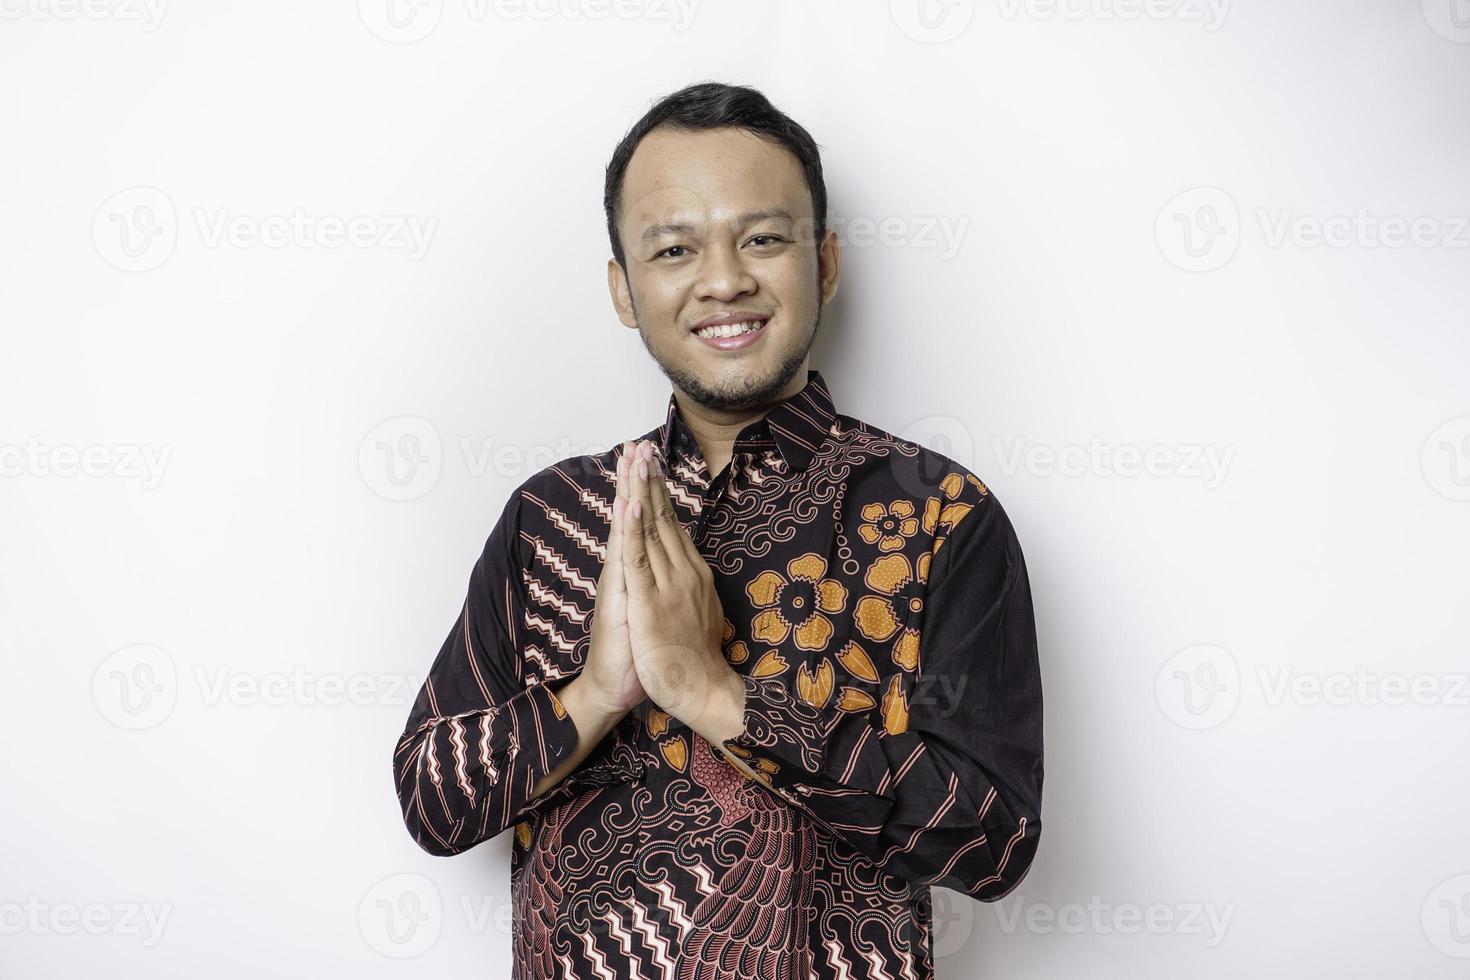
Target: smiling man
column 747, row 686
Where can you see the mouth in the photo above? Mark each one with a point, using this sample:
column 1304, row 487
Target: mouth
column 732, row 336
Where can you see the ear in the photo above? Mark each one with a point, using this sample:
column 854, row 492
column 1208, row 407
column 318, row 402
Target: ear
column 622, row 294
column 829, row 265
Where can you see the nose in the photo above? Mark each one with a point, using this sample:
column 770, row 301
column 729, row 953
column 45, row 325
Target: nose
column 723, row 275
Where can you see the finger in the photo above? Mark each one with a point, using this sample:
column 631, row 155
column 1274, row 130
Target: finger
column 638, row 563
column 670, row 530
column 613, row 563
column 661, row 552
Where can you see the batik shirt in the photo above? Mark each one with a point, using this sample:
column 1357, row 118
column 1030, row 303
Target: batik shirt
column 878, row 611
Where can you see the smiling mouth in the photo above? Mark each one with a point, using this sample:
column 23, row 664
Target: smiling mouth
column 729, row 329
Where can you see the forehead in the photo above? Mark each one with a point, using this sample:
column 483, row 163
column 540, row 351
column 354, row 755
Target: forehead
column 710, row 175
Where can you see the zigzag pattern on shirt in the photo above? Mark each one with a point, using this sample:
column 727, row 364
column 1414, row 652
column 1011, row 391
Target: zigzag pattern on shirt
column 545, row 626
column 679, row 495
column 547, row 597
column 574, row 531
column 537, row 667
column 596, row 503
column 559, row 565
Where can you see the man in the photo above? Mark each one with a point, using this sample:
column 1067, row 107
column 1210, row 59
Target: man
column 747, row 686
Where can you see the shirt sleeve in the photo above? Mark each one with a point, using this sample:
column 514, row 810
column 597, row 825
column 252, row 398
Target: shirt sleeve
column 478, row 737
column 953, row 798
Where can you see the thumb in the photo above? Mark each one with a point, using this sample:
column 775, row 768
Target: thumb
column 612, row 569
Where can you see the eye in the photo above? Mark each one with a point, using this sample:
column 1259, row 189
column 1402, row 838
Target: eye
column 668, row 250
column 771, row 238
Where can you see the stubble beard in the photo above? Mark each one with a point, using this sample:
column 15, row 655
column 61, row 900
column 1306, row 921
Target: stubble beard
column 754, row 393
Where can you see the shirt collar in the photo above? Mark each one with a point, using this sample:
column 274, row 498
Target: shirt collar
column 795, row 427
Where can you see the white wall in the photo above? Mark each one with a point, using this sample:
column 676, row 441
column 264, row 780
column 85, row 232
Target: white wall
column 1206, row 814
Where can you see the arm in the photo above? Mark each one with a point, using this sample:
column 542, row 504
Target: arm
column 481, row 748
column 952, row 795
column 593, row 725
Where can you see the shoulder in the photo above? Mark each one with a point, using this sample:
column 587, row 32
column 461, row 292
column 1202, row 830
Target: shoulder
column 891, row 476
column 568, row 481
column 565, row 508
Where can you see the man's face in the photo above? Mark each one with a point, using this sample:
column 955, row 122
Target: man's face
column 720, row 222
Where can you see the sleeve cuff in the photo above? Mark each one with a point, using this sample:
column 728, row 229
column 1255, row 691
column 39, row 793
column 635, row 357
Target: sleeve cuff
column 784, row 738
column 551, row 735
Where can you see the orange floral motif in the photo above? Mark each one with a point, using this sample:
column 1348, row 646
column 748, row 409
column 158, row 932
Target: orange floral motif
column 857, row 662
column 761, row 768
column 815, row 687
column 738, row 652
column 770, row 664
column 939, row 514
column 879, row 617
column 797, row 605
column 675, row 752
column 888, row 526
column 895, row 709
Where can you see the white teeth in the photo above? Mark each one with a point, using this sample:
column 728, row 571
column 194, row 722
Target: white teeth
column 731, row 329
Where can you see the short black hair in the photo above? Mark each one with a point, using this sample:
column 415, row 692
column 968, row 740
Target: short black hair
column 714, row 105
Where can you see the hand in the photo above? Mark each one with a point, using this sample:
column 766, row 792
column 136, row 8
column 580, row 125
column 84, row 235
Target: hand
column 615, row 687
column 674, row 613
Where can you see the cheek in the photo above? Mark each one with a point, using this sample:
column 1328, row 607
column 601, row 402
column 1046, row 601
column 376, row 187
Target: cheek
column 659, row 301
column 794, row 283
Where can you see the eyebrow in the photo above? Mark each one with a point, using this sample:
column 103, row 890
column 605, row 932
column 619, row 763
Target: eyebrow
column 748, row 218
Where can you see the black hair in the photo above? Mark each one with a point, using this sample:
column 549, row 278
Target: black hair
column 713, row 105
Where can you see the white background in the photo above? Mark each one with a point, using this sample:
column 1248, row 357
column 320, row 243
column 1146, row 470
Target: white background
column 1231, row 233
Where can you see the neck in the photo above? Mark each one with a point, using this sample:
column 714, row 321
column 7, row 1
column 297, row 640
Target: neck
column 715, row 429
